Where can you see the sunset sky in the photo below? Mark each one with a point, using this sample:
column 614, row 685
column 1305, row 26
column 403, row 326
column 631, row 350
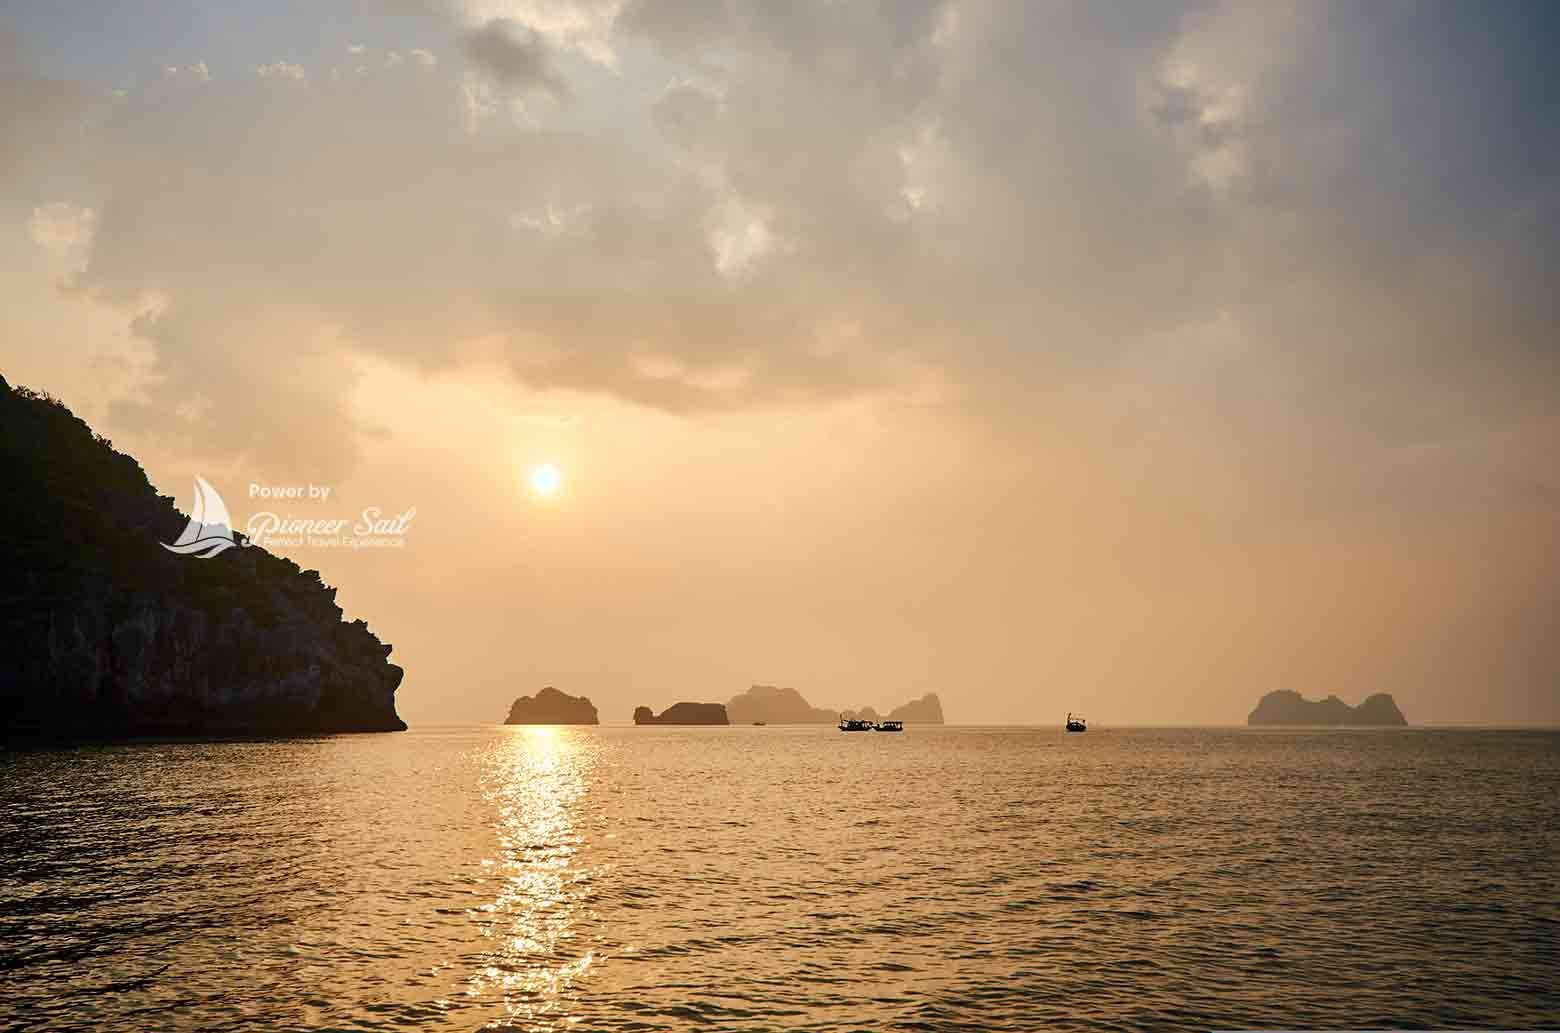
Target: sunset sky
column 1131, row 359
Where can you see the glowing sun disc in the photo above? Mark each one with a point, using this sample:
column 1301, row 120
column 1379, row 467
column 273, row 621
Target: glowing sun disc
column 546, row 479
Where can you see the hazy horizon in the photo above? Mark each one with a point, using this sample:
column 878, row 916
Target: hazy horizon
column 1129, row 360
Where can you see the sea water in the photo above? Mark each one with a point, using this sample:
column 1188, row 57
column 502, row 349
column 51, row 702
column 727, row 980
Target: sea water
column 621, row 878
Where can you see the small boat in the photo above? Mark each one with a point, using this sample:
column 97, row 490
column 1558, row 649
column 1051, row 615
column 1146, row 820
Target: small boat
column 889, row 726
column 759, row 724
column 1076, row 724
column 853, row 724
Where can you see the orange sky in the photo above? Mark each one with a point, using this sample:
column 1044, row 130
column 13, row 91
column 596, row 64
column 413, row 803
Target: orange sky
column 1131, row 361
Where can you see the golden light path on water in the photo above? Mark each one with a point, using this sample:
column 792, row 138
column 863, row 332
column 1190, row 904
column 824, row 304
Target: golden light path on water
column 534, row 779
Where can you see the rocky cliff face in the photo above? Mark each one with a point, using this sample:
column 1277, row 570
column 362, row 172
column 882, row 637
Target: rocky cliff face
column 105, row 633
column 1286, row 707
column 683, row 714
column 551, row 707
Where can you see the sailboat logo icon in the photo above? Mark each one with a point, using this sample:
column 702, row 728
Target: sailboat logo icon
column 210, row 529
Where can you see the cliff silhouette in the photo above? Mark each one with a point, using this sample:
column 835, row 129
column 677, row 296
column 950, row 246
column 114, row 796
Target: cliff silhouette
column 683, row 714
column 1286, row 707
column 777, row 706
column 924, row 711
column 783, row 706
column 103, row 633
column 551, row 707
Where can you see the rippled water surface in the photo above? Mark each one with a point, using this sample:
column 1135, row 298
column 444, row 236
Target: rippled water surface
column 784, row 878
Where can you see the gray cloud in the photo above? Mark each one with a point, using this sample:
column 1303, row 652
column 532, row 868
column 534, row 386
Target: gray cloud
column 516, row 56
column 1306, row 233
column 1026, row 200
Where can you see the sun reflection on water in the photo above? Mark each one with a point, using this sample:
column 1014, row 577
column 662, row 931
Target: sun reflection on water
column 534, row 779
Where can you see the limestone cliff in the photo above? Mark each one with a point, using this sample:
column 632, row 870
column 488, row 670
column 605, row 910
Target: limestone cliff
column 776, row 706
column 683, row 714
column 924, row 711
column 1286, row 707
column 551, row 707
column 104, row 633
column 779, row 706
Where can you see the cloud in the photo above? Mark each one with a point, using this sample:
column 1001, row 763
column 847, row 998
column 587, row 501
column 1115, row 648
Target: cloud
column 282, row 70
column 582, row 26
column 62, row 228
column 195, row 73
column 1037, row 205
column 517, row 57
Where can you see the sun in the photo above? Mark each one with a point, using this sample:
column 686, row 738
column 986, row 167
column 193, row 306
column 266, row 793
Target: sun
column 546, row 479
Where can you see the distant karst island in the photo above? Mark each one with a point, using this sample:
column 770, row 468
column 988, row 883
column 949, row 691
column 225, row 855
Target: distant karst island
column 104, row 633
column 1287, row 707
column 783, row 706
column 551, row 707
column 683, row 714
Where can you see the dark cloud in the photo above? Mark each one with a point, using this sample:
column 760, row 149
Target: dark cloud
column 517, row 57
